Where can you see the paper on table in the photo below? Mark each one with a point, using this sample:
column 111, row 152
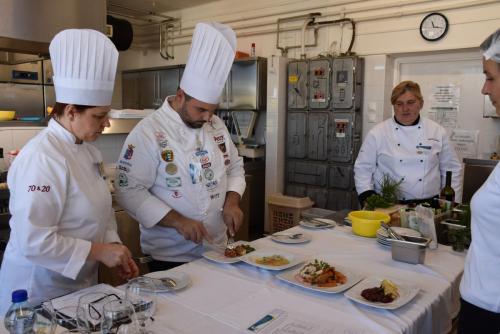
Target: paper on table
column 427, row 226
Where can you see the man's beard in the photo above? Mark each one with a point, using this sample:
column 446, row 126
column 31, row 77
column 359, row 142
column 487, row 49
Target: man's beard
column 183, row 113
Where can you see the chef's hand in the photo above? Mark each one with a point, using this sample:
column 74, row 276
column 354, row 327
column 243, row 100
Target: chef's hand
column 190, row 229
column 113, row 255
column 126, row 275
column 231, row 213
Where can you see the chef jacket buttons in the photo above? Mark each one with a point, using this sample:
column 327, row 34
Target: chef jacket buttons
column 399, row 144
column 397, row 128
column 419, row 127
column 420, row 180
column 400, row 160
column 421, row 160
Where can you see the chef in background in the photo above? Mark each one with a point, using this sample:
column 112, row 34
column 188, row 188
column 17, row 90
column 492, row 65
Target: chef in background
column 62, row 221
column 179, row 173
column 480, row 286
column 408, row 148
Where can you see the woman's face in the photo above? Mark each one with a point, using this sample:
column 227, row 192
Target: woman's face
column 89, row 124
column 491, row 87
column 407, row 108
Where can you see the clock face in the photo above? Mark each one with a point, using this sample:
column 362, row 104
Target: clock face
column 434, row 26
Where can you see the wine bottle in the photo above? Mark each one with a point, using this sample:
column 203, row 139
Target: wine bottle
column 448, row 193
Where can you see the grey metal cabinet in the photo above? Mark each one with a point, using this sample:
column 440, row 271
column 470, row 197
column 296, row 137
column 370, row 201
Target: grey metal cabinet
column 246, row 85
column 130, row 90
column 149, row 95
column 169, row 81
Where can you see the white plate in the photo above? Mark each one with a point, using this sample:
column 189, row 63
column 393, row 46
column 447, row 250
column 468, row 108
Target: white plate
column 285, row 239
column 179, row 277
column 406, row 293
column 250, row 258
column 318, row 223
column 408, row 232
column 352, row 278
column 218, row 255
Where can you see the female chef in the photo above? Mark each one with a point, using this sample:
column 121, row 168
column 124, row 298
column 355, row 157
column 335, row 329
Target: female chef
column 62, row 221
column 480, row 286
column 408, row 148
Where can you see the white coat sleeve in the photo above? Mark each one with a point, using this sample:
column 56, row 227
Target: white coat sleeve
column 111, row 234
column 136, row 176
column 448, row 161
column 235, row 171
column 39, row 188
column 365, row 165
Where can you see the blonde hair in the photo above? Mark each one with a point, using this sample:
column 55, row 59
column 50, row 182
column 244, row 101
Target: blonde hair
column 406, row 86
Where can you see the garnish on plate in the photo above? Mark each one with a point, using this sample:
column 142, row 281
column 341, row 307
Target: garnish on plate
column 239, row 250
column 385, row 293
column 321, row 274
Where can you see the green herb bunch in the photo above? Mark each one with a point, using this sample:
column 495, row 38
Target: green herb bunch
column 389, row 189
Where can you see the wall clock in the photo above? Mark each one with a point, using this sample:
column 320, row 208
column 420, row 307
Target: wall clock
column 433, row 27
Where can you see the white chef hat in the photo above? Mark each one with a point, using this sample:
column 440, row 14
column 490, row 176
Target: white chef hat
column 491, row 47
column 210, row 59
column 84, row 63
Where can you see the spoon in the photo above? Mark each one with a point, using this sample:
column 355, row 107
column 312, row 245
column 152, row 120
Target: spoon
column 168, row 282
column 290, row 236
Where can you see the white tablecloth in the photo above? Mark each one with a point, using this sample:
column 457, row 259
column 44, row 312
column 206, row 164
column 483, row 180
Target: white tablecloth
column 228, row 298
column 236, row 295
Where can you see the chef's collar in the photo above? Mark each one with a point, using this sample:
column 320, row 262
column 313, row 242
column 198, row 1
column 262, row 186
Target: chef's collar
column 64, row 133
column 414, row 123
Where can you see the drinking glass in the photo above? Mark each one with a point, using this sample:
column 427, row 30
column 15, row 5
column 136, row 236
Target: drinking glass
column 119, row 318
column 90, row 309
column 141, row 292
column 45, row 319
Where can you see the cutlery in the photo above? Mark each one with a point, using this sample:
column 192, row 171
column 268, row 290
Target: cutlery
column 291, row 236
column 318, row 223
column 169, row 282
column 391, row 232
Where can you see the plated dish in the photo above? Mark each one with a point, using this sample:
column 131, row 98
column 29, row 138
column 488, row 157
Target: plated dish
column 317, row 223
column 229, row 255
column 291, row 238
column 181, row 280
column 272, row 259
column 382, row 293
column 322, row 276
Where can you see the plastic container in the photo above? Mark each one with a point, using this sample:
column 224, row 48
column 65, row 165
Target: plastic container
column 285, row 211
column 366, row 223
column 20, row 316
column 318, row 213
column 410, row 250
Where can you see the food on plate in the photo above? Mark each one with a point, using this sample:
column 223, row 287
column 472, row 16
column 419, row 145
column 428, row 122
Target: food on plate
column 239, row 250
column 273, row 260
column 385, row 293
column 321, row 274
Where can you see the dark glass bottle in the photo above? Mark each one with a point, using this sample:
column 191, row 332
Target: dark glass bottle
column 448, row 193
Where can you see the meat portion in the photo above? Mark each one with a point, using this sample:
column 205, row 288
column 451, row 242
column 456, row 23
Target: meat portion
column 376, row 295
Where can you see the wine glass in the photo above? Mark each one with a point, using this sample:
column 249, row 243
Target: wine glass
column 90, row 309
column 119, row 318
column 73, row 318
column 45, row 319
column 141, row 292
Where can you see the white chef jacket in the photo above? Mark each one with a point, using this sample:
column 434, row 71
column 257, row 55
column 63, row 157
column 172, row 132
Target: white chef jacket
column 481, row 280
column 59, row 204
column 419, row 154
column 167, row 165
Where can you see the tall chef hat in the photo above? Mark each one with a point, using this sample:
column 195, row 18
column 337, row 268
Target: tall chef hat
column 84, row 63
column 491, row 47
column 210, row 59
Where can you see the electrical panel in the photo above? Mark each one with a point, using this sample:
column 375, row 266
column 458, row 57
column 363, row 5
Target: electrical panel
column 319, row 84
column 296, row 135
column 307, row 173
column 346, row 83
column 324, row 130
column 317, row 127
column 341, row 177
column 297, row 85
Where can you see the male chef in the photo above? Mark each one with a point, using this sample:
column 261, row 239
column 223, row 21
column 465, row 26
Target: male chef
column 179, row 173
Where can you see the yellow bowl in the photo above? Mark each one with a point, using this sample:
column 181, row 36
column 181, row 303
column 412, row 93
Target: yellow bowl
column 7, row 115
column 366, row 223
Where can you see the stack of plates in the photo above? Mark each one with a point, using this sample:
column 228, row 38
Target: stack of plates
column 383, row 237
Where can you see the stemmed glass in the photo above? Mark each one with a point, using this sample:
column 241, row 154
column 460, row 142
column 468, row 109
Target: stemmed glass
column 141, row 292
column 119, row 318
column 45, row 319
column 90, row 309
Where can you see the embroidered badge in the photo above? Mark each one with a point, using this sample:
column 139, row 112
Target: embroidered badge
column 219, row 139
column 209, row 174
column 173, row 182
column 204, row 159
column 207, row 165
column 122, row 180
column 195, row 173
column 163, row 143
column 201, row 153
column 129, row 152
column 227, row 162
column 176, row 194
column 214, row 196
column 123, row 168
column 211, row 185
column 171, row 168
column 222, row 147
column 167, row 155
column 42, row 189
column 126, row 163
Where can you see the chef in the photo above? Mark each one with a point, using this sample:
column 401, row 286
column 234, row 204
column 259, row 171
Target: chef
column 479, row 288
column 179, row 172
column 62, row 221
column 407, row 148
